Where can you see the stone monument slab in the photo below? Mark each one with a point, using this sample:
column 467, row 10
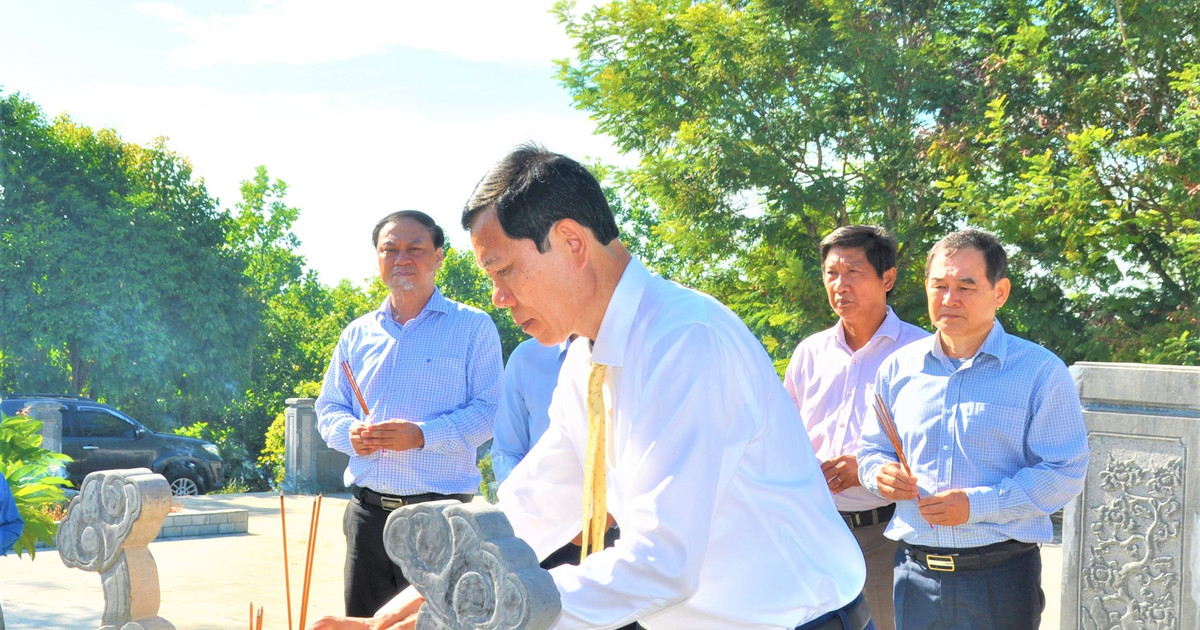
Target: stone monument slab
column 1130, row 540
column 310, row 466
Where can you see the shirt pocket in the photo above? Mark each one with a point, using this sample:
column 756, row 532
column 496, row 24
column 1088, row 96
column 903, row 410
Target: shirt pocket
column 994, row 434
column 442, row 385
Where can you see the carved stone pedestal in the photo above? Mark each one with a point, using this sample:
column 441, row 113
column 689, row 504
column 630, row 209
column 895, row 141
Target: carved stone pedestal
column 107, row 529
column 1130, row 541
column 472, row 571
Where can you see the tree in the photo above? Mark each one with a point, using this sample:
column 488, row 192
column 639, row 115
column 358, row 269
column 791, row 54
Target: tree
column 113, row 279
column 763, row 126
column 460, row 279
column 1066, row 127
column 1082, row 148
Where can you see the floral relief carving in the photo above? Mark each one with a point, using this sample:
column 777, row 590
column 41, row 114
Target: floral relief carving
column 1130, row 576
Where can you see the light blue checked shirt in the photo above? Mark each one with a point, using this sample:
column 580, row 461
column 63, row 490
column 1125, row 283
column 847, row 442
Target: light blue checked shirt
column 440, row 370
column 524, row 412
column 1006, row 426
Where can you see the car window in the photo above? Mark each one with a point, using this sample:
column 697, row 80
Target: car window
column 99, row 423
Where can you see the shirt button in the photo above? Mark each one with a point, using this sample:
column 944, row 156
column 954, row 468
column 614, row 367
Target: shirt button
column 945, row 447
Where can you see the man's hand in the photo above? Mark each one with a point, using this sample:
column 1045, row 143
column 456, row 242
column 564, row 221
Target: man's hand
column 895, row 484
column 841, row 473
column 398, row 614
column 393, row 435
column 356, row 439
column 949, row 508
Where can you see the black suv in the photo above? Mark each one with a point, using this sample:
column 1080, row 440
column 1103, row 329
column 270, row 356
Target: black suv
column 99, row 437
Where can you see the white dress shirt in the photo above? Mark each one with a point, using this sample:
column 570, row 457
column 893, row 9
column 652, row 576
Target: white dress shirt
column 833, row 386
column 725, row 518
column 524, row 411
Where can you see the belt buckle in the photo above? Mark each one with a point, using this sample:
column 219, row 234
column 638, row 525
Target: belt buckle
column 849, row 518
column 939, row 563
column 389, row 503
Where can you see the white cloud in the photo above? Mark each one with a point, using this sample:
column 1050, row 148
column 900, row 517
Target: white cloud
column 313, row 31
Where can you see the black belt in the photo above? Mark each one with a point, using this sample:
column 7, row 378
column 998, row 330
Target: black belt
column 390, row 502
column 955, row 559
column 853, row 616
column 867, row 518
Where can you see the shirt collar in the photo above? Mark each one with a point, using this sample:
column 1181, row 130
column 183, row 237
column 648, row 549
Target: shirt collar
column 996, row 344
column 437, row 302
column 890, row 328
column 610, row 342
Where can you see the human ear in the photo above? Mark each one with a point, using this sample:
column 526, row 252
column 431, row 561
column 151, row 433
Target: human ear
column 1002, row 289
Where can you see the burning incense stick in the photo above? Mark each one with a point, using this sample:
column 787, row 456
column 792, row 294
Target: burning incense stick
column 354, row 385
column 287, row 581
column 889, row 429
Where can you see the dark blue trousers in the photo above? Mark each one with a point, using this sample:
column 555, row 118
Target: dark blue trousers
column 1004, row 596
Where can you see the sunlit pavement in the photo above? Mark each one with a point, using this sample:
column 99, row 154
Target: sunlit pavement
column 208, row 583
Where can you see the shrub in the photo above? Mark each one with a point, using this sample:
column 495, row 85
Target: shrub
column 34, row 475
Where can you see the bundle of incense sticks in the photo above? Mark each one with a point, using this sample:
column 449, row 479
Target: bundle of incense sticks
column 354, row 385
column 306, row 583
column 255, row 622
column 308, row 560
column 889, row 429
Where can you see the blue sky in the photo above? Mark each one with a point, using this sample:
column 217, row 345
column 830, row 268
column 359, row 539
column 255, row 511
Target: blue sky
column 362, row 107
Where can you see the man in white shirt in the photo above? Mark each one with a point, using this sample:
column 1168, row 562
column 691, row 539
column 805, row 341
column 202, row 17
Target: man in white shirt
column 726, row 522
column 831, row 379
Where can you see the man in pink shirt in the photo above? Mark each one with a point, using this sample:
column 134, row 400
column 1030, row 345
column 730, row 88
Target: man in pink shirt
column 831, row 379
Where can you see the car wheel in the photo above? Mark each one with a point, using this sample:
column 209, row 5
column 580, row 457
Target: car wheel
column 184, row 483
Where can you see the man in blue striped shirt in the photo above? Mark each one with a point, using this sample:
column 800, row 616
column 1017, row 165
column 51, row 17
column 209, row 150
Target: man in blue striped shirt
column 993, row 432
column 429, row 370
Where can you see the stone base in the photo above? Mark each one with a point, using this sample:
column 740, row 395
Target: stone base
column 208, row 523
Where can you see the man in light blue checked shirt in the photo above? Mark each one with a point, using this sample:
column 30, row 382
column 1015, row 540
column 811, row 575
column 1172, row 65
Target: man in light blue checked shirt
column 429, row 370
column 993, row 432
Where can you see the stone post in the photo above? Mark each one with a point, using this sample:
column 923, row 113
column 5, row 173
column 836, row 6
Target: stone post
column 310, row 465
column 471, row 569
column 49, row 412
column 1131, row 540
column 107, row 529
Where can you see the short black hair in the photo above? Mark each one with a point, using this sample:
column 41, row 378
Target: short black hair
column 875, row 242
column 435, row 230
column 532, row 189
column 994, row 256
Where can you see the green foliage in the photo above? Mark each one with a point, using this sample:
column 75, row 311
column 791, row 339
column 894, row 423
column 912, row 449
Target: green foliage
column 487, row 482
column 35, row 476
column 273, row 453
column 461, row 280
column 116, row 284
column 239, row 466
column 1071, row 129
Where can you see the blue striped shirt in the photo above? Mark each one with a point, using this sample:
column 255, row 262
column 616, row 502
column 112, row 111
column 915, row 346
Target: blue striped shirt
column 440, row 370
column 1006, row 426
column 524, row 412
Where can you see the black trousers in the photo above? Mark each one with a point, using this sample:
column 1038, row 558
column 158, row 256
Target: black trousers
column 371, row 578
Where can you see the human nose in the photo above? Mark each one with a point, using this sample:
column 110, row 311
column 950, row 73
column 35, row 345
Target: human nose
column 501, row 297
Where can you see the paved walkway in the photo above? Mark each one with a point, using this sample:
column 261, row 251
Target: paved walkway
column 209, row 582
